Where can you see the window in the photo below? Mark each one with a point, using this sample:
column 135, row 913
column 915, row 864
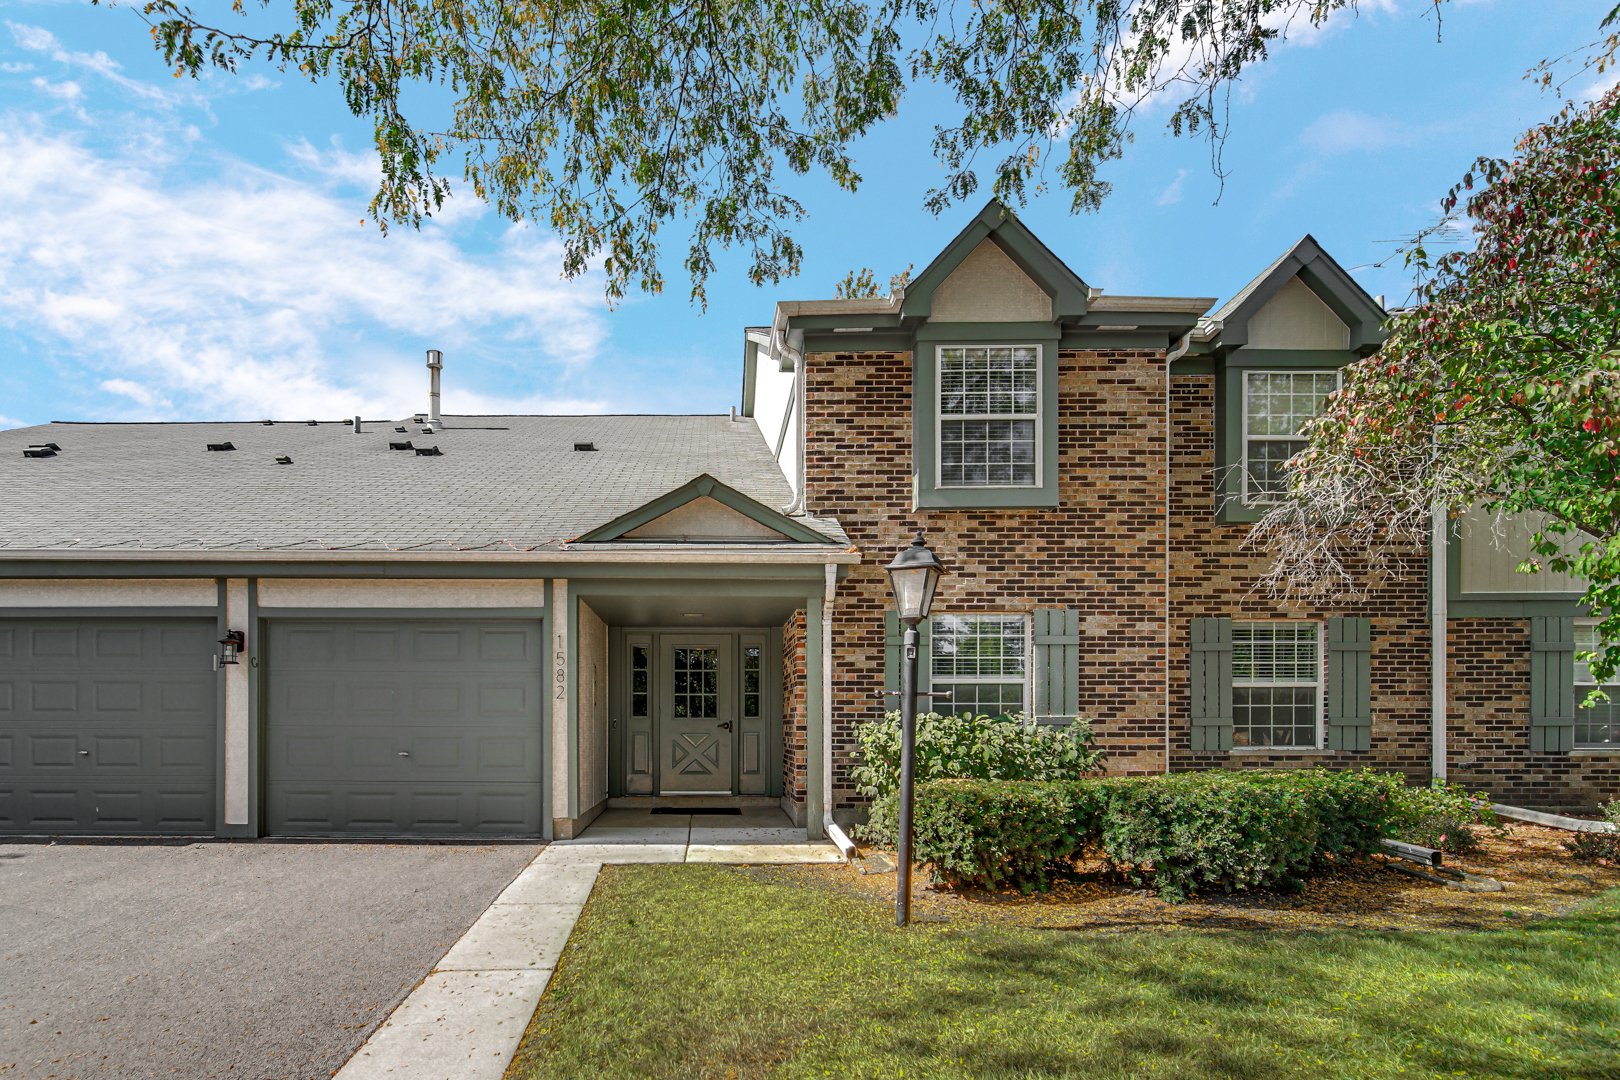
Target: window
column 1598, row 726
column 1276, row 684
column 1276, row 404
column 982, row 661
column 639, row 676
column 989, row 412
column 751, row 658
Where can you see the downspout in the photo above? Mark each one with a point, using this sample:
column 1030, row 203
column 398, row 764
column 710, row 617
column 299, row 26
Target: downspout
column 794, row 346
column 1182, row 348
column 833, row 832
column 1439, row 612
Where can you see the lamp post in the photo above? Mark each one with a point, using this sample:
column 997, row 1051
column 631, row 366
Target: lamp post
column 913, row 576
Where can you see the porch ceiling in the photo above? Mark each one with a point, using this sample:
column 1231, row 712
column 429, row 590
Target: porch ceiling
column 676, row 611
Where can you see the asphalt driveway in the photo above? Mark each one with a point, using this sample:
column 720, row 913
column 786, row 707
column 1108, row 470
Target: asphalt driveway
column 250, row 961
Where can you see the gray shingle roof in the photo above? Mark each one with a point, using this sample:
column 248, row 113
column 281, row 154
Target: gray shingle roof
column 502, row 482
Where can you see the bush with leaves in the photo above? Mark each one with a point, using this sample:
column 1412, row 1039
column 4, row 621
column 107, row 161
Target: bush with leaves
column 966, row 748
column 1599, row 846
column 1181, row 833
column 1442, row 816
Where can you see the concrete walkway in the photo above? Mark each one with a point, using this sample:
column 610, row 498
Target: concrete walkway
column 466, row 1019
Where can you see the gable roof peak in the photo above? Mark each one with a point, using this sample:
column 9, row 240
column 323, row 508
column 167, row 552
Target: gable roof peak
column 999, row 224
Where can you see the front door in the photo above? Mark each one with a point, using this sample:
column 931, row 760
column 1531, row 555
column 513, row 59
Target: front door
column 697, row 720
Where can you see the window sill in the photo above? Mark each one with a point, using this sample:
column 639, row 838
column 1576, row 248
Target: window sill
column 1280, row 751
column 1596, row 751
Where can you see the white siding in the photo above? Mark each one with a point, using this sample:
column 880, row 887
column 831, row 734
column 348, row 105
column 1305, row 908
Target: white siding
column 773, row 393
column 1490, row 558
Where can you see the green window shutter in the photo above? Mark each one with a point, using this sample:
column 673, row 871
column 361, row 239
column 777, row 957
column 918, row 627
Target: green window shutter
column 894, row 635
column 1210, row 682
column 1349, row 684
column 1057, row 664
column 1552, row 685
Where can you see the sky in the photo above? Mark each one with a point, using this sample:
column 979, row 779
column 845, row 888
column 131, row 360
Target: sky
column 178, row 249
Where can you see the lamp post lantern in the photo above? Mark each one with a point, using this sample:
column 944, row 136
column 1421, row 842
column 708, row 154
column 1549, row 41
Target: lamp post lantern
column 913, row 576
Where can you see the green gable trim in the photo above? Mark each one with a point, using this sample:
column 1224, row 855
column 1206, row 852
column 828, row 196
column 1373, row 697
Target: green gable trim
column 698, row 488
column 998, row 224
column 987, row 333
column 1157, row 341
column 1324, row 277
column 820, row 341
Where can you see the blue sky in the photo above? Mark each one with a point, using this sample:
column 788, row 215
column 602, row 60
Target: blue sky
column 177, row 249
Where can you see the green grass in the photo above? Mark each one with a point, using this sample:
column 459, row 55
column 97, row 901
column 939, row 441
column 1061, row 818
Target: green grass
column 692, row 972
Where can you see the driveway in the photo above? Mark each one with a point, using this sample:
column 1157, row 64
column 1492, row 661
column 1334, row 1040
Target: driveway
column 250, row 961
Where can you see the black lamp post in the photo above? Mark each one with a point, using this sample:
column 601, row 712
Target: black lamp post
column 913, row 576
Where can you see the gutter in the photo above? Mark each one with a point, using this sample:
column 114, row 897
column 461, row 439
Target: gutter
column 769, row 555
column 1205, row 331
column 833, row 832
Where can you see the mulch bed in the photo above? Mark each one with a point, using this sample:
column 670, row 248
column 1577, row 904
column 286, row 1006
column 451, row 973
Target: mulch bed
column 1539, row 880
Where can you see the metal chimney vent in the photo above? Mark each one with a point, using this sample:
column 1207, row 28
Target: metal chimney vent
column 220, row 446
column 584, row 446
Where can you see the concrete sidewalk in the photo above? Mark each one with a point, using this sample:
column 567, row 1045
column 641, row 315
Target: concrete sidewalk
column 466, row 1019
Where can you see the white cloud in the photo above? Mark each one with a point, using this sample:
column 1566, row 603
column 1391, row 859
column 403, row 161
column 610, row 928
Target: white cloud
column 38, row 39
column 1346, row 130
column 7, row 422
column 256, row 294
column 67, row 91
column 1172, row 194
column 13, row 69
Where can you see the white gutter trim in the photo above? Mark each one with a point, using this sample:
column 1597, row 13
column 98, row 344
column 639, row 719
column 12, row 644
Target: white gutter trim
column 818, row 555
column 1439, row 613
column 833, row 832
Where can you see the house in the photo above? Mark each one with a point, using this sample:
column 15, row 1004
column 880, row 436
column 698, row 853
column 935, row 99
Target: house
column 497, row 625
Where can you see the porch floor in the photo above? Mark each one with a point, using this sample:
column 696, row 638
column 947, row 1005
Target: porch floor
column 760, row 834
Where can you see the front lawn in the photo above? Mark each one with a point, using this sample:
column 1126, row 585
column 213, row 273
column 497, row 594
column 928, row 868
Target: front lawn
column 699, row 972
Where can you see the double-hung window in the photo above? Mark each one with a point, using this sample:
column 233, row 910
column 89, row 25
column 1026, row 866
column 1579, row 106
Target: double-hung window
column 989, row 416
column 982, row 661
column 1599, row 726
column 1276, row 404
column 1276, row 684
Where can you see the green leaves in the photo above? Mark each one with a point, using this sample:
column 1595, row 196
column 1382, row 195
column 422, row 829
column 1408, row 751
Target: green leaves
column 606, row 120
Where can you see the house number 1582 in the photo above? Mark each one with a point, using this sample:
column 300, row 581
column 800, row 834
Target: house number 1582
column 561, row 668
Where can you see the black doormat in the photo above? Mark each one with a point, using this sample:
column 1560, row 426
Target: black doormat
column 731, row 811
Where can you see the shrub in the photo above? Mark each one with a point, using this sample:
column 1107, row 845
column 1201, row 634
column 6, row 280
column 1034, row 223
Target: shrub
column 1593, row 846
column 966, row 748
column 1184, row 832
column 1442, row 816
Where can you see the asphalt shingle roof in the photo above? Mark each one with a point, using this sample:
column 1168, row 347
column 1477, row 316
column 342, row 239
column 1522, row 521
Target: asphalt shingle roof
column 502, row 482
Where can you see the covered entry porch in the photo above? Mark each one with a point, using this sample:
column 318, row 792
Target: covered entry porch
column 695, row 695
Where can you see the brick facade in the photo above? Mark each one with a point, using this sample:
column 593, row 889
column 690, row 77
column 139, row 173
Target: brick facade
column 1103, row 551
column 794, row 705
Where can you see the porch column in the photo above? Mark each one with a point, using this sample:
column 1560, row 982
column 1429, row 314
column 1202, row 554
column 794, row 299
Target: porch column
column 563, row 738
column 815, row 720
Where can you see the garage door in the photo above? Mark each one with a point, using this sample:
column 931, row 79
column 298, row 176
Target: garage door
column 403, row 728
column 107, row 726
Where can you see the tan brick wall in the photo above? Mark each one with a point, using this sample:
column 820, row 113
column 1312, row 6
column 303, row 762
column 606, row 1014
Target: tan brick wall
column 794, row 758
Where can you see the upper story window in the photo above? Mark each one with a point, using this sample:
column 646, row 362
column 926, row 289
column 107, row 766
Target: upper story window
column 1276, row 404
column 989, row 416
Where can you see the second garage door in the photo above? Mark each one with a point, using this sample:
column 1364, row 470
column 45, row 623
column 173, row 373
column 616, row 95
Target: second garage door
column 403, row 728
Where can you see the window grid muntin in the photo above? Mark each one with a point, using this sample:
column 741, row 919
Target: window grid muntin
column 696, row 673
column 994, row 423
column 1277, row 684
column 1599, row 726
column 983, row 660
column 1275, row 433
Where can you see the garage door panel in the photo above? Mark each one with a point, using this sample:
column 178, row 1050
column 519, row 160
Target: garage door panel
column 102, row 720
column 404, row 727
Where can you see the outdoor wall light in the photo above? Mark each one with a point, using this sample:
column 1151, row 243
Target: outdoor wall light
column 231, row 646
column 913, row 576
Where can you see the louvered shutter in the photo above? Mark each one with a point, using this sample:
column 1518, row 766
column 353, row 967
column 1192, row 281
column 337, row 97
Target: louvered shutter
column 1349, row 684
column 1552, row 685
column 1210, row 668
column 1057, row 665
column 894, row 636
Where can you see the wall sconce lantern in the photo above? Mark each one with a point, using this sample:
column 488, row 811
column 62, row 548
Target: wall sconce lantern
column 231, row 646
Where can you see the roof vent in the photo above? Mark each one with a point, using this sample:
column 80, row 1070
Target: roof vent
column 406, row 445
column 220, row 446
column 45, row 446
column 429, row 451
column 283, row 459
column 400, row 428
column 39, row 451
column 268, row 423
column 313, row 423
column 427, row 431
column 584, row 446
column 346, row 420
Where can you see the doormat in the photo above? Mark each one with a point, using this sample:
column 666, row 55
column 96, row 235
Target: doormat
column 732, row 811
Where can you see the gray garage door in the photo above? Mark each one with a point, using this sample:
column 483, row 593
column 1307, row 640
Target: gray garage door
column 392, row 728
column 107, row 726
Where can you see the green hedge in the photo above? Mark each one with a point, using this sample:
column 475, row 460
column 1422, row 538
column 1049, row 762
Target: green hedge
column 1183, row 833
